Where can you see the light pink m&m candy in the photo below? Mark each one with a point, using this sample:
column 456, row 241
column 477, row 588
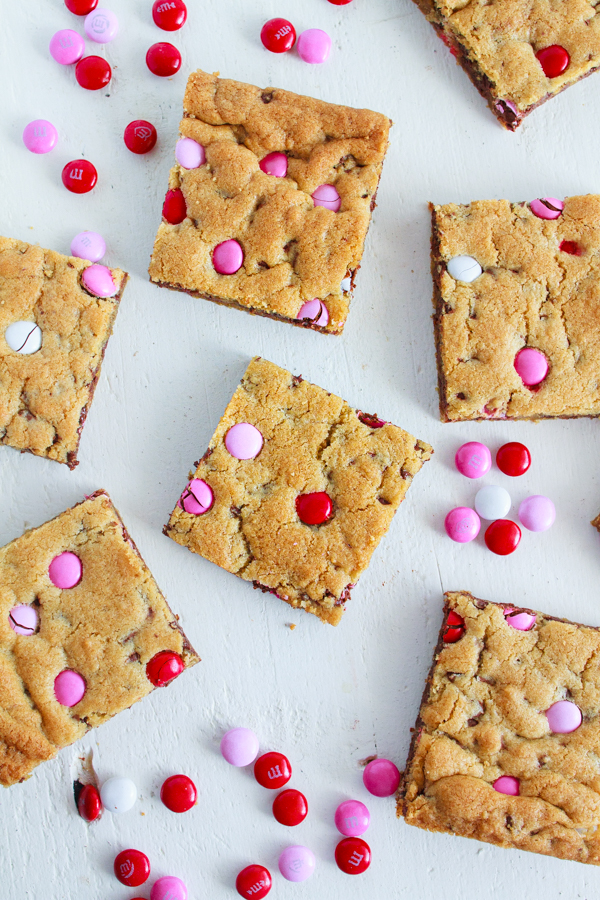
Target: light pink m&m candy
column 197, row 498
column 67, row 47
column 65, row 570
column 99, row 281
column 69, row 687
column 101, row 26
column 88, row 245
column 297, row 863
column 564, row 717
column 314, row 45
column 352, row 818
column 537, row 513
column 381, row 777
column 316, row 311
column 522, row 621
column 531, row 366
column 168, row 888
column 547, row 208
column 189, row 153
column 244, row 441
column 274, row 164
column 40, row 136
column 228, row 257
column 507, row 784
column 326, row 195
column 473, row 459
column 462, row 524
column 23, row 619
column 239, row 747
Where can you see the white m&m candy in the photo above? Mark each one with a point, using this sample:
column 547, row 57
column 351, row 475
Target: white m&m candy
column 118, row 794
column 24, row 337
column 492, row 502
column 464, row 268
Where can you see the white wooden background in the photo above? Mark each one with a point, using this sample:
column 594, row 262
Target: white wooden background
column 327, row 697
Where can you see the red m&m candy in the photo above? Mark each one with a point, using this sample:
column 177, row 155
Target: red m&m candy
column 455, row 628
column 253, row 881
column 93, row 73
column 79, row 176
column 290, row 807
column 170, row 15
column 179, row 793
column 513, row 459
column 502, row 537
column 278, row 35
column 163, row 59
column 81, row 7
column 314, row 509
column 140, row 136
column 353, row 855
column 554, row 60
column 174, row 209
column 89, row 804
column 164, row 667
column 272, row 770
column 570, row 247
column 340, row 2
column 132, row 867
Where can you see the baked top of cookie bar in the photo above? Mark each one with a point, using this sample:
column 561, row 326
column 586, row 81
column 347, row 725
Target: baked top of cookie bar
column 313, row 442
column 106, row 628
column 45, row 396
column 293, row 250
column 531, row 293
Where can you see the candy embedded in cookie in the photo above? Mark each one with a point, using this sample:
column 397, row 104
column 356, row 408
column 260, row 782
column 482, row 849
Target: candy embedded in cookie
column 326, row 195
column 174, row 209
column 454, row 628
column 315, row 508
column 197, row 498
column 164, row 667
column 189, row 153
column 23, row 619
column 547, row 208
column 531, row 366
column 315, row 312
column 244, row 441
column 507, row 784
column 98, row 281
column 554, row 60
column 65, row 570
column 521, row 621
column 564, row 717
column 464, row 268
column 275, row 164
column 69, row 687
column 228, row 257
column 24, row 337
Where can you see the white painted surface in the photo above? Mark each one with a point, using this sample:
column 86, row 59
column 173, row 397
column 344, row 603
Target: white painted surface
column 327, row 697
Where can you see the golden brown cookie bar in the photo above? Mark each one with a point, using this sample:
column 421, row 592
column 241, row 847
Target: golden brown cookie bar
column 45, row 396
column 518, row 54
column 539, row 290
column 109, row 639
column 293, row 251
column 596, row 522
column 505, row 748
column 318, row 485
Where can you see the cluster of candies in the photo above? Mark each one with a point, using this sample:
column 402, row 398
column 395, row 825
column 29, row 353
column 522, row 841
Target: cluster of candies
column 536, row 513
column 272, row 770
column 313, row 46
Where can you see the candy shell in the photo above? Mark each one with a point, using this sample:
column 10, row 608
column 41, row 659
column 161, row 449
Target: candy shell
column 23, row 337
column 537, row 513
column 228, row 257
column 69, row 687
column 88, row 245
column 89, row 804
column 547, row 207
column 40, row 136
column 327, row 195
column 462, row 524
column 197, row 498
column 189, row 153
column 98, row 281
column 101, row 26
column 278, row 35
column 163, row 59
column 67, row 47
column 239, row 747
column 65, row 571
column 164, row 667
column 118, row 795
column 473, row 459
column 179, row 793
column 290, row 807
column 297, row 863
column 522, row 621
column 244, row 441
column 315, row 311
column 502, row 537
column 314, row 46
column 507, row 784
column 131, row 867
column 92, row 73
column 253, row 881
column 531, row 366
column 464, row 268
column 492, row 502
column 352, row 818
column 381, row 777
column 564, row 717
column 315, row 508
column 23, row 619
column 275, row 164
column 353, row 855
column 272, row 770
column 554, row 60
column 168, row 888
column 513, row 459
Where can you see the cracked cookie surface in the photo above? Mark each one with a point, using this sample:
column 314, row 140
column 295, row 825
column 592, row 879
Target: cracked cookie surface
column 313, row 442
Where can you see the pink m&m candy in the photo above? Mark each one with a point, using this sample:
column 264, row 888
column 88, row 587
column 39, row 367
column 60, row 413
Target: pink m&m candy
column 69, row 687
column 197, row 498
column 275, row 164
column 244, row 441
column 314, row 45
column 326, row 195
column 65, row 570
column 101, row 26
column 228, row 257
column 23, row 619
column 40, row 136
column 315, row 311
column 99, row 281
column 239, row 747
column 189, row 154
column 297, row 863
column 537, row 513
column 564, row 717
column 507, row 784
column 531, row 366
column 352, row 818
column 168, row 888
column 462, row 524
column 88, row 245
column 547, row 208
column 473, row 459
column 381, row 777
column 522, row 621
column 67, row 47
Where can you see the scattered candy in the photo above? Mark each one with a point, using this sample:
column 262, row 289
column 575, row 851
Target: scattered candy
column 290, row 807
column 554, row 60
column 164, row 667
column 352, row 818
column 98, row 281
column 79, row 176
column 228, row 257
column 502, row 537
column 253, row 881
column 101, row 26
column 462, row 524
column 132, row 867
column 174, row 209
column 507, row 784
column 23, row 619
column 297, row 863
column 326, row 195
column 473, row 459
column 513, row 459
column 455, row 628
column 189, row 153
column 163, row 59
column 69, row 687
column 492, row 502
column 40, row 136
column 197, row 498
column 170, row 15
column 239, row 747
column 118, row 795
column 93, row 73
column 24, row 337
column 140, row 136
column 381, row 777
column 244, row 441
column 531, row 366
column 570, row 247
column 81, row 7
column 65, row 570
column 278, row 35
column 522, row 621
column 340, row 2
column 275, row 164
column 168, row 888
column 89, row 804
column 371, row 420
column 547, row 208
column 314, row 45
column 564, row 717
column 272, row 770
column 537, row 513
column 88, row 245
column 464, row 268
column 67, row 47
column 315, row 311
column 314, row 509
column 178, row 793
column 353, row 855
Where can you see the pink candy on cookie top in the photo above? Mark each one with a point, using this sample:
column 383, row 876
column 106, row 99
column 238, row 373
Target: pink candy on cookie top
column 547, row 208
column 228, row 257
column 564, row 717
column 275, row 164
column 531, row 365
column 69, row 687
column 23, row 619
column 315, row 311
column 189, row 153
column 197, row 498
column 507, row 784
column 326, row 195
column 521, row 621
column 65, row 570
column 98, row 281
column 244, row 441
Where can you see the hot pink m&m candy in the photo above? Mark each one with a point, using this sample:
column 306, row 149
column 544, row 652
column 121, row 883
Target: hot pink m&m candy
column 462, row 524
column 23, row 619
column 253, row 881
column 315, row 311
column 278, row 35
column 531, row 366
column 163, row 59
column 314, row 45
column 326, row 195
column 547, row 207
column 275, row 164
column 140, row 136
column 228, row 257
column 297, row 863
column 168, row 888
column 65, row 570
column 174, row 208
column 98, row 281
column 79, row 176
column 69, row 687
column 381, row 777
column 93, row 73
column 522, row 621
column 564, row 717
column 197, row 498
column 40, row 136
column 189, row 153
column 170, row 15
column 67, row 47
column 507, row 784
column 537, row 513
column 239, row 747
column 352, row 818
column 473, row 459
column 88, row 245
column 101, row 26
column 554, row 60
column 244, row 441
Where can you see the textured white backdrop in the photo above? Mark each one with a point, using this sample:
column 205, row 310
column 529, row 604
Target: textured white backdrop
column 326, row 697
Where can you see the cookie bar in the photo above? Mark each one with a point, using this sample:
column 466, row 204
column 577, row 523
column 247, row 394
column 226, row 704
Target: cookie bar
column 84, row 633
column 270, row 201
column 505, row 748
column 517, row 308
column 519, row 54
column 596, row 522
column 295, row 490
column 53, row 334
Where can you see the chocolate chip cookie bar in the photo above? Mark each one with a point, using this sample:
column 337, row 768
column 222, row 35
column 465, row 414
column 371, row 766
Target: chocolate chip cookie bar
column 517, row 308
column 519, row 54
column 295, row 490
column 84, row 633
column 505, row 748
column 270, row 201
column 56, row 316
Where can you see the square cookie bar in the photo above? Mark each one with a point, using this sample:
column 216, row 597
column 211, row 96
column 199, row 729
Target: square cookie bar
column 295, row 490
column 84, row 633
column 519, row 54
column 56, row 316
column 505, row 748
column 270, row 201
column 517, row 308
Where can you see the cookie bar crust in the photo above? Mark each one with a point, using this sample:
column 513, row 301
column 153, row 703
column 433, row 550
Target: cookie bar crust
column 313, row 441
column 45, row 396
column 106, row 628
column 496, row 41
column 294, row 251
column 531, row 294
column 483, row 716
